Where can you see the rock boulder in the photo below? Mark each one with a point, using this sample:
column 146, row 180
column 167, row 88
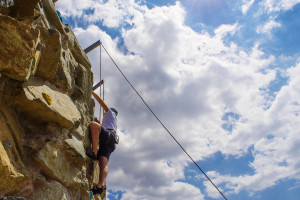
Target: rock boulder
column 12, row 168
column 52, row 191
column 50, row 56
column 32, row 103
column 54, row 163
column 19, row 58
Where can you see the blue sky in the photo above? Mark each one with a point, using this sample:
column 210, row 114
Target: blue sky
column 224, row 78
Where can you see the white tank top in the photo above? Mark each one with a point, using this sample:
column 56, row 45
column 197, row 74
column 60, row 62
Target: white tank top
column 109, row 120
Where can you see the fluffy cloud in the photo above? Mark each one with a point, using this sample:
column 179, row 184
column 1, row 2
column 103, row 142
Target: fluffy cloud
column 275, row 5
column 191, row 81
column 268, row 27
column 74, row 8
column 246, row 6
column 112, row 13
column 275, row 145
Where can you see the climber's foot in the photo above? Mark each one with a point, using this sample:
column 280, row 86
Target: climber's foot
column 92, row 155
column 97, row 190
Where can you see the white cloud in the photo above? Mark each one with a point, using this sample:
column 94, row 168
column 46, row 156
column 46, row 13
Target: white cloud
column 226, row 29
column 246, row 6
column 276, row 5
column 74, row 8
column 275, row 158
column 191, row 80
column 268, row 27
column 112, row 12
column 177, row 191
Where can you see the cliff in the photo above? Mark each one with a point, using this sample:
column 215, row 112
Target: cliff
column 45, row 106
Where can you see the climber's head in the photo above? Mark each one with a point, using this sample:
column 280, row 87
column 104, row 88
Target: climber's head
column 114, row 111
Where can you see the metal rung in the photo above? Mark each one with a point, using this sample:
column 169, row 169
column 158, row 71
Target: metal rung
column 93, row 46
column 97, row 85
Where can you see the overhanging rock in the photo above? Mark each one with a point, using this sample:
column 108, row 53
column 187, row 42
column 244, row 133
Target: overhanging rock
column 23, row 9
column 76, row 147
column 44, row 102
column 19, row 58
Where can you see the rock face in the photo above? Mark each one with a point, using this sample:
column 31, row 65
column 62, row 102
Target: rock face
column 45, row 106
column 19, row 55
column 44, row 102
column 12, row 166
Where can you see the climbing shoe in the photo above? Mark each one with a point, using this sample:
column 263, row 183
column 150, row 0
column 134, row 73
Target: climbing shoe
column 92, row 155
column 101, row 191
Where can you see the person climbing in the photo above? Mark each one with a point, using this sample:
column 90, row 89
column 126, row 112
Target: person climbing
column 105, row 136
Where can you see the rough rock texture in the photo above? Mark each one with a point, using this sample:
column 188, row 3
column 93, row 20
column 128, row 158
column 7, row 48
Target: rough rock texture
column 31, row 102
column 13, row 170
column 52, row 191
column 45, row 106
column 50, row 56
column 23, row 8
column 19, row 55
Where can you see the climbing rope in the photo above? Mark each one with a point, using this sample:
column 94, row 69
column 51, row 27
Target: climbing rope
column 162, row 123
column 100, row 86
column 101, row 113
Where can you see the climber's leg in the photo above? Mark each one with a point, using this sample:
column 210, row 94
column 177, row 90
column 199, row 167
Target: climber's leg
column 103, row 161
column 95, row 129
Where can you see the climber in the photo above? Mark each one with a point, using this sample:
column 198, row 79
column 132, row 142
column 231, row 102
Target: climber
column 105, row 136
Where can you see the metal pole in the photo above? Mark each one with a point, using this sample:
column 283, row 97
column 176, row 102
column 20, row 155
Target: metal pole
column 92, row 47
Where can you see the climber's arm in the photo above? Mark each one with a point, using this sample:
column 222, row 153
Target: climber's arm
column 100, row 101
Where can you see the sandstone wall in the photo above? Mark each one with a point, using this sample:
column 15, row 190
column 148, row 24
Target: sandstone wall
column 45, row 106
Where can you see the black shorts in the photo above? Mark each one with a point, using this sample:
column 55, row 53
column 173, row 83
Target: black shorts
column 107, row 142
